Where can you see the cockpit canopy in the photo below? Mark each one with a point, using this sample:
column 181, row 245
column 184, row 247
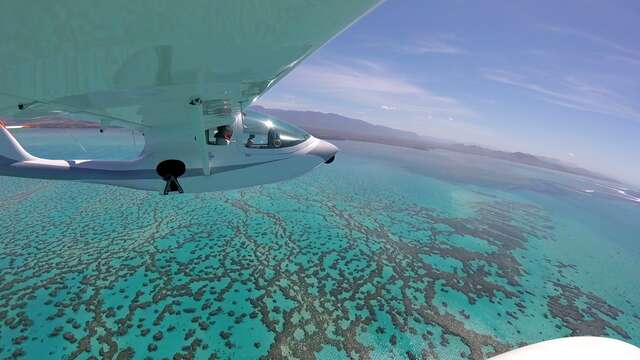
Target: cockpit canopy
column 266, row 132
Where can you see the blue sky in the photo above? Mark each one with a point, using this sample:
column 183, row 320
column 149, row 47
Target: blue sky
column 559, row 79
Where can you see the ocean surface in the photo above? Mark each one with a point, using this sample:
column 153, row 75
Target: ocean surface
column 386, row 253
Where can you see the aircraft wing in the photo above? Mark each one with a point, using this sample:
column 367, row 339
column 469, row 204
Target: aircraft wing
column 574, row 347
column 123, row 60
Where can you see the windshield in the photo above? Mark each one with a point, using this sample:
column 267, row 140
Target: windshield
column 266, row 132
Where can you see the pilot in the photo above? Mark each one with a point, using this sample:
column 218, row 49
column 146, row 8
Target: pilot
column 273, row 139
column 223, row 136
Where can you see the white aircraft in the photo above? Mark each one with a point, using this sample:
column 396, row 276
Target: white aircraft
column 183, row 74
column 180, row 73
column 260, row 150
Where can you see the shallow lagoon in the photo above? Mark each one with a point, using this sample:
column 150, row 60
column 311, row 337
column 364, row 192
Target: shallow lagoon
column 388, row 252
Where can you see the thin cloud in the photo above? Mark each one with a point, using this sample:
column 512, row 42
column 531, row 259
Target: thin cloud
column 332, row 77
column 433, row 47
column 612, row 45
column 626, row 59
column 285, row 102
column 537, row 52
column 445, row 44
column 373, row 85
column 571, row 92
column 374, row 92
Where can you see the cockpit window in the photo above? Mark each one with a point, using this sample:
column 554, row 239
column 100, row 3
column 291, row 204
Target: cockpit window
column 266, row 132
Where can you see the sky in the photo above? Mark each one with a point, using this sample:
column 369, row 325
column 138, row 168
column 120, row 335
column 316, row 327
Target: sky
column 558, row 79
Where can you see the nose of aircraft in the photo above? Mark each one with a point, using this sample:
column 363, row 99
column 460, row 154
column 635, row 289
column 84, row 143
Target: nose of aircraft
column 325, row 150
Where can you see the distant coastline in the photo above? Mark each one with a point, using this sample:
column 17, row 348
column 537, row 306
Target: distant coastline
column 337, row 127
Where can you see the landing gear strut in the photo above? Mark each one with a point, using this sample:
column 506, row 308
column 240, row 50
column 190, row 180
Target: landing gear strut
column 170, row 171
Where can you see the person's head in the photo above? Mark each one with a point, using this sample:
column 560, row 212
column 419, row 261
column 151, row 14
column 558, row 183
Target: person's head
column 225, row 131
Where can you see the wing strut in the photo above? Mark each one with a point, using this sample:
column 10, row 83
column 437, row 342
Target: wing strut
column 200, row 137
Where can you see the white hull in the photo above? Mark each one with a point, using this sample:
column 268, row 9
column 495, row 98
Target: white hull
column 208, row 167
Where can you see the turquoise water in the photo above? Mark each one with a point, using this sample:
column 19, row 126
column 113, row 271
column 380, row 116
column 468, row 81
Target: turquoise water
column 387, row 253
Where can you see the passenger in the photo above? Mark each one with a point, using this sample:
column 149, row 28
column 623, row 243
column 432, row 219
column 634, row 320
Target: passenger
column 223, row 136
column 251, row 141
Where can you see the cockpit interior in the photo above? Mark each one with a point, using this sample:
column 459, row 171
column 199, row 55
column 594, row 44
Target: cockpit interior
column 258, row 131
